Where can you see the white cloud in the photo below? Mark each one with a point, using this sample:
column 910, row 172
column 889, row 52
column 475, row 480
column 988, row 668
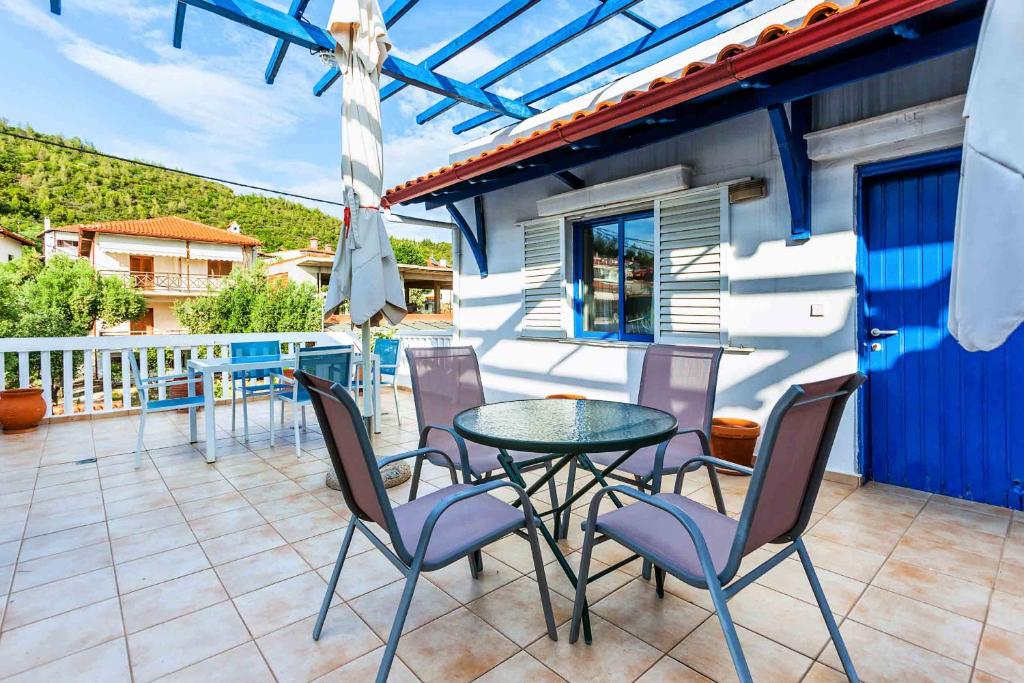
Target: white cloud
column 135, row 13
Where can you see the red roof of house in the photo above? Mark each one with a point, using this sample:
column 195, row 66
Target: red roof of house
column 826, row 25
column 169, row 228
column 27, row 241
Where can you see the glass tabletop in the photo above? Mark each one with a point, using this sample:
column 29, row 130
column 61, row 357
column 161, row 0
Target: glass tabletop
column 565, row 425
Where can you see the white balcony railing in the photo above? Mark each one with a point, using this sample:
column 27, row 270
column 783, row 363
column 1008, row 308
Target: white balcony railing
column 168, row 282
column 100, row 361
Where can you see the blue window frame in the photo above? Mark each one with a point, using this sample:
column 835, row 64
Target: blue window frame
column 613, row 277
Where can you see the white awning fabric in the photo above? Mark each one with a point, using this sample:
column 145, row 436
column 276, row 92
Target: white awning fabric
column 141, row 246
column 216, row 252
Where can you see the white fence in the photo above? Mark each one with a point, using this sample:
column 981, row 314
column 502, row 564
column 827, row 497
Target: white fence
column 98, row 356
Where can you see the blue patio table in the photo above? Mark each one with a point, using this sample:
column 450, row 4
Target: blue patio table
column 210, row 367
column 560, row 431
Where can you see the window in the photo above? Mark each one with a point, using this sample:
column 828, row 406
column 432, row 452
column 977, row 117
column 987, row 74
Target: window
column 614, row 277
column 218, row 268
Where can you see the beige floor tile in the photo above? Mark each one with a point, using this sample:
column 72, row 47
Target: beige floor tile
column 820, row 673
column 323, row 549
column 151, row 542
column 614, row 656
column 38, row 525
column 226, row 523
column 469, row 645
column 144, row 503
column 378, row 608
column 196, row 492
column 308, row 525
column 516, row 612
column 282, row 603
column 947, row 559
column 295, row 657
column 668, row 670
column 705, row 651
column 181, row 642
column 1007, row 612
column 455, row 579
column 262, row 569
column 559, row 582
column 362, row 574
column 1001, row 653
column 281, row 489
column 941, row 590
column 241, row 544
column 243, row 663
column 978, row 517
column 62, row 541
column 661, row 622
column 170, row 600
column 106, row 663
column 982, row 677
column 956, row 535
column 154, row 569
column 206, row 507
column 298, row 504
column 788, row 621
column 789, row 577
column 1011, row 578
column 856, row 534
column 521, row 667
column 146, row 521
column 61, row 566
column 61, row 596
column 884, row 658
column 65, row 634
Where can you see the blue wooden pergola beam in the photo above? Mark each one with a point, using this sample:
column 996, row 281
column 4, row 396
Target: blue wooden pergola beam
column 796, row 167
column 396, row 10
column 298, row 7
column 295, row 30
column 488, row 25
column 637, row 19
column 55, row 6
column 477, row 246
column 696, row 24
column 563, row 35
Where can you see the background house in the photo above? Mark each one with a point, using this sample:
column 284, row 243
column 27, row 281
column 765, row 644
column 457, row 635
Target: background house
column 168, row 258
column 11, row 244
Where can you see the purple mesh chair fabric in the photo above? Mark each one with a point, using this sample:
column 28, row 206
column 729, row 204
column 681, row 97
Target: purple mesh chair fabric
column 657, row 535
column 466, row 524
column 794, row 459
column 679, row 380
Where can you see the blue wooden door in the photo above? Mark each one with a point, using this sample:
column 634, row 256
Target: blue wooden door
column 937, row 418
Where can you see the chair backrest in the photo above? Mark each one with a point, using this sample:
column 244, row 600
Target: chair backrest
column 269, row 350
column 331, row 363
column 791, row 462
column 681, row 380
column 351, row 454
column 445, row 381
column 133, row 363
column 387, row 351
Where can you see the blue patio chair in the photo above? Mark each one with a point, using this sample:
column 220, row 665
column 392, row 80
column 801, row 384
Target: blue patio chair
column 143, row 385
column 332, row 363
column 387, row 350
column 263, row 350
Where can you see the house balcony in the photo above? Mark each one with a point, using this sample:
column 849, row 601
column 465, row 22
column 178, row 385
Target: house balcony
column 169, row 283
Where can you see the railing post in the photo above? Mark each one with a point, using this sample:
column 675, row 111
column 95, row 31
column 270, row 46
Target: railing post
column 44, row 376
column 68, row 385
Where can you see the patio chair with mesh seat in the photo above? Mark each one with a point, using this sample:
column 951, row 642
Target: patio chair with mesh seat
column 703, row 547
column 425, row 534
column 446, row 381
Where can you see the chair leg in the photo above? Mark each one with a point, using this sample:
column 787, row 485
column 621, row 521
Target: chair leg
column 138, row 441
column 732, row 640
column 399, row 623
column 553, row 493
column 476, row 564
column 567, row 515
column 333, row 583
column 647, row 566
column 304, row 428
column 659, row 581
column 245, row 413
column 233, row 392
column 826, row 611
column 542, row 579
column 295, row 425
column 581, row 582
column 272, row 430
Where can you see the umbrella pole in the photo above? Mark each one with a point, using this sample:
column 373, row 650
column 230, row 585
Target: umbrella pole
column 367, row 378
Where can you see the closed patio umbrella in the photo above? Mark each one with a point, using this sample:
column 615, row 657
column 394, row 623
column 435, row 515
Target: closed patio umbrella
column 986, row 298
column 365, row 271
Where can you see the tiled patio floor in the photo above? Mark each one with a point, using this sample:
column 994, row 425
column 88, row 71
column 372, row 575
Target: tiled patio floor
column 185, row 571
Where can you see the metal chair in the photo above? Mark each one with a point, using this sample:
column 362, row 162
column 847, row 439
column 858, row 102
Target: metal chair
column 426, row 534
column 387, row 351
column 680, row 380
column 256, row 350
column 143, row 385
column 333, row 363
column 703, row 547
column 446, row 381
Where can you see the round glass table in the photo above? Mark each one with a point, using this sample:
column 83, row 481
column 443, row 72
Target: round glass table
column 560, row 431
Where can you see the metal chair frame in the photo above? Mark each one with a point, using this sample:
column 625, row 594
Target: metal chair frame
column 411, row 562
column 256, row 350
column 717, row 582
column 279, row 380
column 143, row 385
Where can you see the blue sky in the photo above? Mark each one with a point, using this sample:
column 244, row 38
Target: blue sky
column 105, row 71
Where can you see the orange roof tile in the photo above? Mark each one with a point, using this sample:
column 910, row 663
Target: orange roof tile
column 696, row 79
column 27, row 241
column 168, row 228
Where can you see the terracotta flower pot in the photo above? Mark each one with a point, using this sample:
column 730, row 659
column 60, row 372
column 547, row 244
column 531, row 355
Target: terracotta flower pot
column 21, row 410
column 181, row 390
column 733, row 439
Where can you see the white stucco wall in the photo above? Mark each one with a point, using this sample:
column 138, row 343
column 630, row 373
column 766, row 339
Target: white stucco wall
column 10, row 248
column 773, row 282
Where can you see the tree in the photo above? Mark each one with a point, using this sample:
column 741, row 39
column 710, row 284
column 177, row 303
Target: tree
column 248, row 302
column 408, row 251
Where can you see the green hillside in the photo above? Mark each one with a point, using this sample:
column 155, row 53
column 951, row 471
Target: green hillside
column 38, row 180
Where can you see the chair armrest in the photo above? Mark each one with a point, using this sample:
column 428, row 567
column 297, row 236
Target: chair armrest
column 459, row 442
column 718, row 462
column 278, row 375
column 169, row 381
column 443, row 505
column 409, row 454
column 705, row 443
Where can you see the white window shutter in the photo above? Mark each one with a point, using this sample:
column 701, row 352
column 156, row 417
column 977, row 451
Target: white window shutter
column 543, row 278
column 691, row 240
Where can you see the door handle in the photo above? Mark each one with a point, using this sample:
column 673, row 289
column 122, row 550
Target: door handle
column 875, row 332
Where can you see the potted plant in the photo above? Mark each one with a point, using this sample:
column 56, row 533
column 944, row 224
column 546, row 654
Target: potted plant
column 733, row 439
column 21, row 410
